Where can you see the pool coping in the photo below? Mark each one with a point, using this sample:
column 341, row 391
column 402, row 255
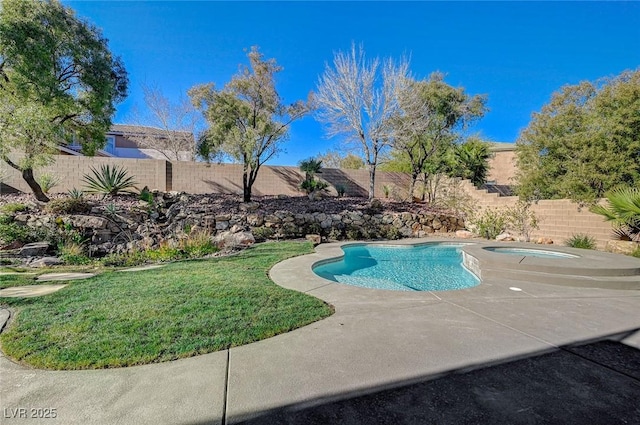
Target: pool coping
column 592, row 269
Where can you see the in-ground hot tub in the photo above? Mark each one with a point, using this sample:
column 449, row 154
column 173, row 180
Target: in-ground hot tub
column 539, row 253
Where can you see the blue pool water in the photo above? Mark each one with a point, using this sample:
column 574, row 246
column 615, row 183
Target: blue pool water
column 432, row 267
column 540, row 253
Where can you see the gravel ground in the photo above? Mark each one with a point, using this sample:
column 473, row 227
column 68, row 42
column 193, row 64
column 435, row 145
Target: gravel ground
column 228, row 204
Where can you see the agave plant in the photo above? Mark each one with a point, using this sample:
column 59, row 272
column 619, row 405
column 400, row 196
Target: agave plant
column 109, row 181
column 623, row 210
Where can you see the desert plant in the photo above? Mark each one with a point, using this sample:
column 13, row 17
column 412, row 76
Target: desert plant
column 47, row 182
column 128, row 259
column 262, row 233
column 12, row 208
column 521, row 219
column 489, row 223
column 623, row 210
column 109, row 180
column 340, row 190
column 387, row 190
column 310, row 185
column 636, row 252
column 391, row 233
column 146, row 195
column 67, row 206
column 73, row 253
column 76, row 194
column 198, row 244
column 581, row 240
column 11, row 231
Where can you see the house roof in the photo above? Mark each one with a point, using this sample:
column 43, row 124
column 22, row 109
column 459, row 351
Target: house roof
column 142, row 130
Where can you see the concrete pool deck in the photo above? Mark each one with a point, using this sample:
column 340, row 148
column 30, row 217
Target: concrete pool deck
column 486, row 354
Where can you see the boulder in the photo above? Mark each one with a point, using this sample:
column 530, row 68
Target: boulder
column 314, row 239
column 228, row 240
column 544, row 241
column 36, row 249
column 88, row 222
column 621, row 247
column 464, row 234
column 46, row 262
column 504, row 237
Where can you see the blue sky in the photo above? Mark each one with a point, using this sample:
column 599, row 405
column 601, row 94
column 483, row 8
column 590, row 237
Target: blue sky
column 518, row 53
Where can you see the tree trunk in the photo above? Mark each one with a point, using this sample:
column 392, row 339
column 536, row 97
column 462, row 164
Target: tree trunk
column 412, row 186
column 27, row 175
column 372, row 180
column 246, row 187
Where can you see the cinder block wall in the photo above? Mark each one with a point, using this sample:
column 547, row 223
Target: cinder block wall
column 69, row 170
column 558, row 219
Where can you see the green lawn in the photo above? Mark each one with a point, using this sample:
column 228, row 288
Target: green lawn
column 184, row 309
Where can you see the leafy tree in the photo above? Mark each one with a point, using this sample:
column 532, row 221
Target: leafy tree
column 356, row 98
column 584, row 142
column 166, row 127
column 310, row 185
column 470, row 161
column 58, row 82
column 247, row 119
column 335, row 159
column 431, row 117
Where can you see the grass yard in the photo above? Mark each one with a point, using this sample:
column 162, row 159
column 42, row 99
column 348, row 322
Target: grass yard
column 181, row 310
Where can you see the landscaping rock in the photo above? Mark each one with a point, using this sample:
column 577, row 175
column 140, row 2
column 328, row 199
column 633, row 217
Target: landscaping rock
column 504, row 237
column 544, row 241
column 314, row 239
column 35, row 249
column 621, row 247
column 228, row 240
column 46, row 262
column 464, row 234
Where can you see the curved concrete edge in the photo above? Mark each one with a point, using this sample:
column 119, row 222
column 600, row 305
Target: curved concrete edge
column 5, row 315
column 592, row 269
column 586, row 263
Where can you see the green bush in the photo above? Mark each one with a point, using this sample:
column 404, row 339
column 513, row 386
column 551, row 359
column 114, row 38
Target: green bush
column 12, row 208
column 341, row 190
column 521, row 219
column 636, row 252
column 67, row 206
column 262, row 234
column 623, row 210
column 11, row 231
column 391, row 233
column 128, row 259
column 109, row 181
column 76, row 194
column 581, row 240
column 198, row 244
column 490, row 223
column 73, row 254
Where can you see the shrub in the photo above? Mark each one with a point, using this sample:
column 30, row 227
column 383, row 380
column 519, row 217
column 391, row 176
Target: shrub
column 353, row 233
column 623, row 210
column 12, row 208
column 391, row 233
column 262, row 233
column 67, row 206
column 128, row 259
column 490, row 223
column 198, row 244
column 521, row 219
column 387, row 190
column 109, row 181
column 341, row 190
column 73, row 253
column 581, row 240
column 47, row 182
column 636, row 252
column 11, row 231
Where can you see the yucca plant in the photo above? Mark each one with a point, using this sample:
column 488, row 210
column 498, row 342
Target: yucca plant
column 47, row 182
column 623, row 211
column 109, row 180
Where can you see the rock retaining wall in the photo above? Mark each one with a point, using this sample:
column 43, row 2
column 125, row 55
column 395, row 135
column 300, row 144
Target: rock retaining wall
column 172, row 216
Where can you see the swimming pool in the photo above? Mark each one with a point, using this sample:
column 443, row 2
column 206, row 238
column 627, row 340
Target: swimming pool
column 428, row 267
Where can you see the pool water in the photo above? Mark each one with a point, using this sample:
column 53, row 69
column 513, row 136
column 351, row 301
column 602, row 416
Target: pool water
column 432, row 267
column 531, row 252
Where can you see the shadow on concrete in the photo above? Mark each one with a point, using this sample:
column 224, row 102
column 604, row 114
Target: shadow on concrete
column 594, row 382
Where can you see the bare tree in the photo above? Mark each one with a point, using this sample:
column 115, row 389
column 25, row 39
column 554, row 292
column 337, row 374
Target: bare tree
column 166, row 127
column 357, row 98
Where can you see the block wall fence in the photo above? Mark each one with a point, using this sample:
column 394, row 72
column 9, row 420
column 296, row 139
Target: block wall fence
column 559, row 219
